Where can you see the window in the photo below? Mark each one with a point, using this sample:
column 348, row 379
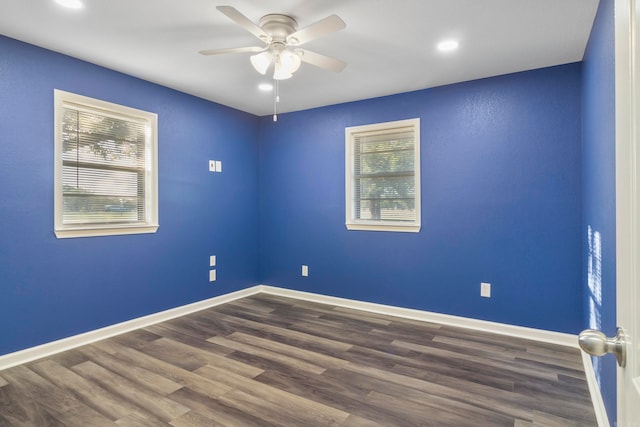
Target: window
column 383, row 176
column 105, row 168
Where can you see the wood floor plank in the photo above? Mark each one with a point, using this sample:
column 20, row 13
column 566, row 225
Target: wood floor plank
column 136, row 338
column 285, row 335
column 139, row 419
column 110, row 405
column 176, row 326
column 306, row 409
column 442, row 416
column 356, row 421
column 172, row 372
column 503, row 364
column 267, row 360
column 179, row 351
column 293, row 362
column 559, row 367
column 262, row 309
column 154, row 403
column 216, row 410
column 315, row 358
column 344, row 316
column 569, row 360
column 194, row 419
column 503, row 402
column 68, row 358
column 174, row 335
column 548, row 420
column 344, row 392
column 395, row 322
column 437, row 397
column 413, row 364
column 268, row 411
column 243, row 314
column 460, row 377
column 464, row 410
column 53, row 401
column 137, row 374
column 22, row 410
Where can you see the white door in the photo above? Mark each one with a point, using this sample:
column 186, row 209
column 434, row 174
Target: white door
column 627, row 24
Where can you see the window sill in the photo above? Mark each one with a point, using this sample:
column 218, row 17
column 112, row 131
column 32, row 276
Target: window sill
column 401, row 228
column 110, row 231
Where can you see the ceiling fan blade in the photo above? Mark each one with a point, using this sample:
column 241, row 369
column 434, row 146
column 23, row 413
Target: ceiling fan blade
column 232, row 50
column 324, row 26
column 321, row 61
column 237, row 17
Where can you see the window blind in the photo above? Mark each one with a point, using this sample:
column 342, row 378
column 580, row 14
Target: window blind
column 104, row 160
column 384, row 175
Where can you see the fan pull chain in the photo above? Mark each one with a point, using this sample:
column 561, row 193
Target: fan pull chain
column 276, row 99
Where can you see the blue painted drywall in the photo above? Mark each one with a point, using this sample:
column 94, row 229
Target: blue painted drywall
column 501, row 202
column 599, row 187
column 51, row 288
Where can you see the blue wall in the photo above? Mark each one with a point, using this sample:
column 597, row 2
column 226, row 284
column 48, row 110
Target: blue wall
column 51, row 288
column 501, row 202
column 599, row 188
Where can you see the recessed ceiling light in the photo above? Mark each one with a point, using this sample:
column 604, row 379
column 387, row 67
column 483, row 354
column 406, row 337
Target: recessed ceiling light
column 448, row 45
column 265, row 87
column 71, row 4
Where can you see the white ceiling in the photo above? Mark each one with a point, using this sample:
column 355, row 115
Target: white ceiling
column 389, row 45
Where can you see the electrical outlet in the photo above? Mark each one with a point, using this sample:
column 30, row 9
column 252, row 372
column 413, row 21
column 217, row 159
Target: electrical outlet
column 485, row 290
column 218, row 166
column 212, row 275
column 305, row 270
column 212, row 261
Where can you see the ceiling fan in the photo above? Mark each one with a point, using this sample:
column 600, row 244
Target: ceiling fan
column 281, row 37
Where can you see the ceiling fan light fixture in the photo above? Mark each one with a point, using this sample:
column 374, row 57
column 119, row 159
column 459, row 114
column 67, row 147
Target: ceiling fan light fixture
column 290, row 61
column 261, row 62
column 287, row 63
column 281, row 73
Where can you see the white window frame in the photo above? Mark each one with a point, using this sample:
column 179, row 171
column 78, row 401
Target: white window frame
column 149, row 224
column 353, row 223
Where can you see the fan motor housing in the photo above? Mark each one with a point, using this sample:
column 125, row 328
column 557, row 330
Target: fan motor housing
column 279, row 27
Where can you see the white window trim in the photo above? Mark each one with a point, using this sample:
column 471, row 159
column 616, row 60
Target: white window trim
column 398, row 226
column 150, row 225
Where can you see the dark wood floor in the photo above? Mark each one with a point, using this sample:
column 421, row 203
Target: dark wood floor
column 267, row 360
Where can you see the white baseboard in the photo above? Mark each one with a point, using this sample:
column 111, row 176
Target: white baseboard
column 48, row 349
column 594, row 390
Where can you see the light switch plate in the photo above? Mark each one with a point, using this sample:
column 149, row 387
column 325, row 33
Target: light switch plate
column 485, row 290
column 212, row 275
column 218, row 166
column 212, row 165
column 212, row 261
